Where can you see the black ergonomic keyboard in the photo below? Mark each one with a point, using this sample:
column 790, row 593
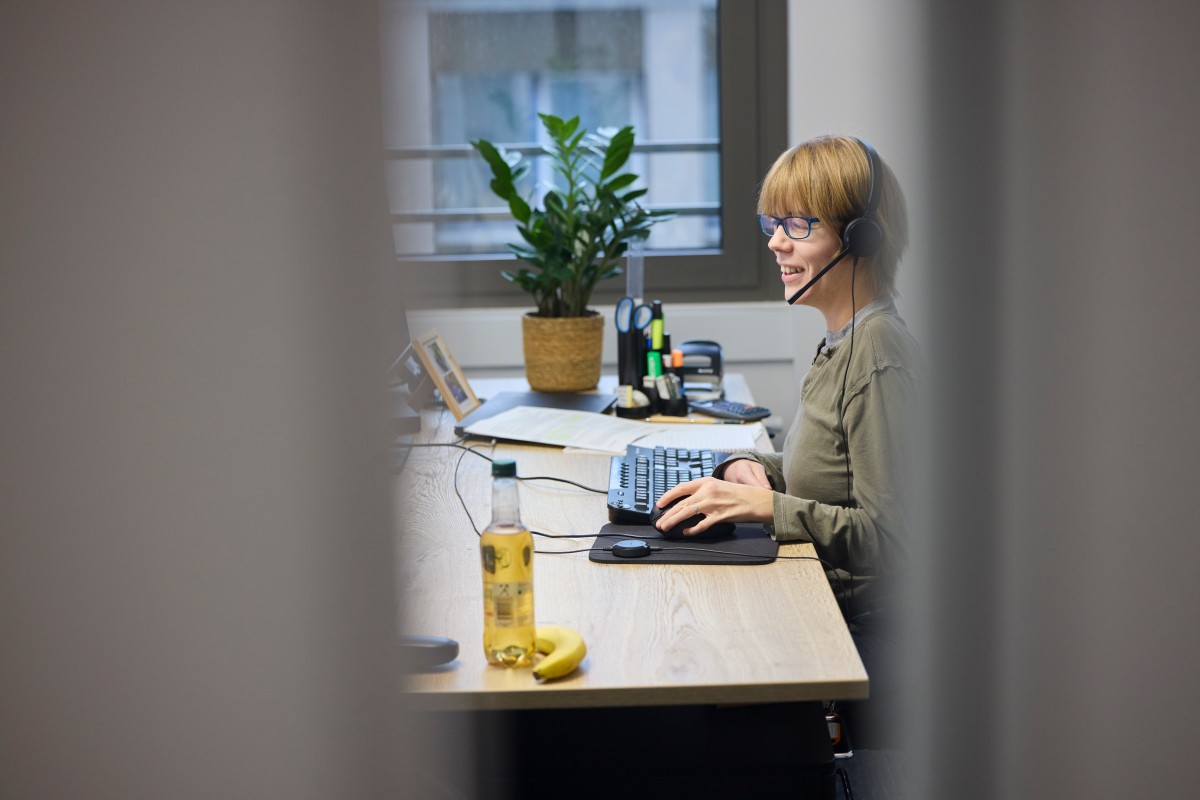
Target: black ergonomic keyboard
column 637, row 479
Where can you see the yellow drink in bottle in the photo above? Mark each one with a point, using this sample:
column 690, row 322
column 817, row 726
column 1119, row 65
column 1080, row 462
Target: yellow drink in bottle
column 506, row 555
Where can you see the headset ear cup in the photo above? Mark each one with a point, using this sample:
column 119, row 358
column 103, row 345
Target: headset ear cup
column 862, row 237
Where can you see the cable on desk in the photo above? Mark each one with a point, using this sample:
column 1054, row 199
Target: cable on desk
column 462, row 501
column 519, row 477
column 467, row 511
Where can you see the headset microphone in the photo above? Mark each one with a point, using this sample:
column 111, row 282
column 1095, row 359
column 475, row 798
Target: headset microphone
column 845, row 251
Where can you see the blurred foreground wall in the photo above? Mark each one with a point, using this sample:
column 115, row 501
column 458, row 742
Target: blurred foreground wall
column 196, row 591
column 1059, row 598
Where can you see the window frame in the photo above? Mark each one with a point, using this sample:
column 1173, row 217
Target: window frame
column 752, row 88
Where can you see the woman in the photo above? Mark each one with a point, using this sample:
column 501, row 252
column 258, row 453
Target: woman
column 838, row 482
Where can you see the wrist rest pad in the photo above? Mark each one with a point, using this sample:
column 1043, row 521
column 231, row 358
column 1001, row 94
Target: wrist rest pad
column 747, row 544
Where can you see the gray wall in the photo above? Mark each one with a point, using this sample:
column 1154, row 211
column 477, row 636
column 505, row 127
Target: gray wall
column 1058, row 594
column 196, row 592
column 1047, row 151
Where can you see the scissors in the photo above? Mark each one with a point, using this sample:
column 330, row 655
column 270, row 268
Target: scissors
column 632, row 317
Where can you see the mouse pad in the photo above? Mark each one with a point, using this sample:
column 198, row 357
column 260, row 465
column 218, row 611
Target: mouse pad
column 748, row 544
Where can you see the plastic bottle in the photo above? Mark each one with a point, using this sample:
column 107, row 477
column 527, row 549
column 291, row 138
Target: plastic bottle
column 506, row 551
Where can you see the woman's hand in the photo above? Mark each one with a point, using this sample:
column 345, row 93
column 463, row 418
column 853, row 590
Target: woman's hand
column 746, row 471
column 718, row 501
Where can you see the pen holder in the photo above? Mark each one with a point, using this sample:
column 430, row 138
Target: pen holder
column 675, row 407
column 651, row 391
column 632, row 404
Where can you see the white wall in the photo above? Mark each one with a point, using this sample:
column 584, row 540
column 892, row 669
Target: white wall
column 870, row 84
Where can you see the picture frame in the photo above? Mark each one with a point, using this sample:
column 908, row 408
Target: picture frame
column 447, row 376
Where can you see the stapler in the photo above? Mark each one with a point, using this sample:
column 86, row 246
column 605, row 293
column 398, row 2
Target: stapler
column 702, row 369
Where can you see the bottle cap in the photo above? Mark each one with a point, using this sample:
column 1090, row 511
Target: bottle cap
column 504, row 468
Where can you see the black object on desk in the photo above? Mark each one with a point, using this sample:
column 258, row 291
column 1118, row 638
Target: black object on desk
column 748, row 544
column 503, row 401
column 717, row 529
column 637, row 479
column 701, row 361
column 420, row 653
column 730, row 409
column 631, row 320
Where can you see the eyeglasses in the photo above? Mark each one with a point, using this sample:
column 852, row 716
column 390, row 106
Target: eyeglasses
column 793, row 227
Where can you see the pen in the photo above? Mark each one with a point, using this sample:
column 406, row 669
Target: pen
column 656, row 325
column 694, row 420
column 654, row 363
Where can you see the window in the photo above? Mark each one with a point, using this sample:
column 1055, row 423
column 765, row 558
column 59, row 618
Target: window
column 703, row 82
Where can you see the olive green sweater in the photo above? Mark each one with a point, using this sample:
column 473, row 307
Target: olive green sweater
column 858, row 528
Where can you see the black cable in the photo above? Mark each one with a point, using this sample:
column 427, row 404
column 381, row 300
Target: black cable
column 581, row 535
column 623, row 535
column 520, row 478
column 841, row 772
column 845, row 375
column 842, row 423
column 562, row 480
column 462, row 501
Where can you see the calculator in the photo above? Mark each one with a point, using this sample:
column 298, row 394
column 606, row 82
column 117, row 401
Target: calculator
column 729, row 409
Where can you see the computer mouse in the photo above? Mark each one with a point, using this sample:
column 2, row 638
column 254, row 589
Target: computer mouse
column 676, row 533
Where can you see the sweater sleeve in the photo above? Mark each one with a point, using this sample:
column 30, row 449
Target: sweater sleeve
column 866, row 537
column 772, row 462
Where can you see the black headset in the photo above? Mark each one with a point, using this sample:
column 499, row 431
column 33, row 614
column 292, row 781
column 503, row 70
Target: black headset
column 862, row 237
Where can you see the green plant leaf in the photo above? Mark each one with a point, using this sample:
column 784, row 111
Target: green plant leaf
column 554, row 203
column 619, row 148
column 620, row 182
column 502, row 188
column 573, row 144
column 568, row 130
column 552, row 124
column 519, row 208
column 574, row 235
column 494, row 158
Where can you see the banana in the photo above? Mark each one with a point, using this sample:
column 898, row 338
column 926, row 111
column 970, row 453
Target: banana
column 564, row 649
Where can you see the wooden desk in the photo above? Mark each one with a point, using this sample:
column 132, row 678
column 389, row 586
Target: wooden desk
column 657, row 634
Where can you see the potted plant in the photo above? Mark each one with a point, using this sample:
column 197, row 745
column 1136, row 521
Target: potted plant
column 574, row 240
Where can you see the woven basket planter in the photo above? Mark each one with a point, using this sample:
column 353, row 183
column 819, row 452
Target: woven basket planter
column 562, row 354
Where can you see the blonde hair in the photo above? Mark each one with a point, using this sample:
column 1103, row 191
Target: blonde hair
column 830, row 177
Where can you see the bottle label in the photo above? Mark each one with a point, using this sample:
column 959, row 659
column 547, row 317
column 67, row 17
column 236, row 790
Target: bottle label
column 512, row 604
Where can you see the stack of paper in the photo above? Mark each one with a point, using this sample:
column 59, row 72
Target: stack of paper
column 591, row 431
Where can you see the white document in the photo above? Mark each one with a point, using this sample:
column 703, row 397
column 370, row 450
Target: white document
column 703, row 437
column 583, row 429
